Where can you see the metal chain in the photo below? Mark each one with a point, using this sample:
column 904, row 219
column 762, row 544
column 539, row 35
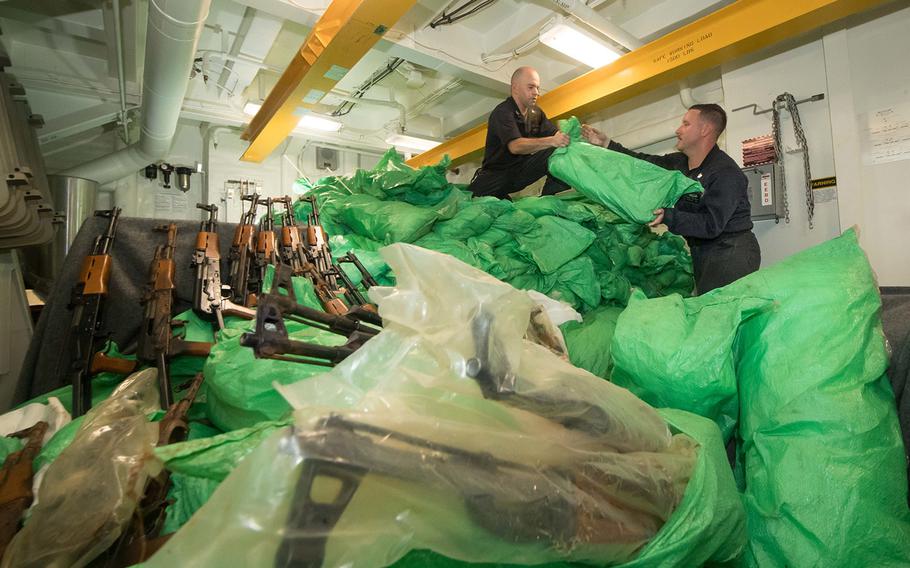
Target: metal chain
column 786, row 100
column 778, row 154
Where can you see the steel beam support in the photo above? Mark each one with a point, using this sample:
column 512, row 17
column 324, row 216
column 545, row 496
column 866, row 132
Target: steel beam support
column 725, row 35
column 344, row 34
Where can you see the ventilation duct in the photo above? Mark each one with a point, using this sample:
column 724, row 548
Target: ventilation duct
column 174, row 27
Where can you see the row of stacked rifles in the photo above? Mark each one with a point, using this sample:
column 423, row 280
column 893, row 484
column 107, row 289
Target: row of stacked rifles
column 293, row 249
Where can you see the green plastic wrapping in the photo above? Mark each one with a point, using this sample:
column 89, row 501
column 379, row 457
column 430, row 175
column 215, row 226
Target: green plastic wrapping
column 555, row 242
column 239, row 387
column 385, row 221
column 199, row 465
column 631, row 187
column 588, row 341
column 239, row 390
column 9, row 445
column 187, row 495
column 678, row 353
column 577, row 280
column 825, row 466
column 214, row 457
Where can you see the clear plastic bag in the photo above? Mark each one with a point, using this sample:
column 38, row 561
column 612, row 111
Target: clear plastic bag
column 90, row 491
column 447, row 432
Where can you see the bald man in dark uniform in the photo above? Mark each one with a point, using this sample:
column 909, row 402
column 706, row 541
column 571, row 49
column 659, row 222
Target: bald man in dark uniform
column 520, row 140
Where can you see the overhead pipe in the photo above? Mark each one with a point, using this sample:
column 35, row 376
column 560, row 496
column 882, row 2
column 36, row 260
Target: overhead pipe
column 586, row 14
column 121, row 75
column 174, row 27
column 402, row 111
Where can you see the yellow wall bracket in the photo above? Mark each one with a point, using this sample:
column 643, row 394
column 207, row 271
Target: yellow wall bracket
column 342, row 36
column 729, row 33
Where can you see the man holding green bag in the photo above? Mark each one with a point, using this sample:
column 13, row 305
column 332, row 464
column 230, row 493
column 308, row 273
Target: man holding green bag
column 520, row 139
column 717, row 224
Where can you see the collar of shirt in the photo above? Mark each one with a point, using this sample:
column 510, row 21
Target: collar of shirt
column 696, row 172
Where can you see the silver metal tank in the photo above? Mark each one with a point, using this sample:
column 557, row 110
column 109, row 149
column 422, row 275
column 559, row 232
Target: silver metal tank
column 75, row 198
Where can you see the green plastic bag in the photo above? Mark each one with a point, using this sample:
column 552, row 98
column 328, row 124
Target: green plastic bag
column 577, row 278
column 824, row 460
column 589, row 341
column 239, row 391
column 385, row 221
column 555, row 242
column 631, row 187
column 214, row 457
column 678, row 353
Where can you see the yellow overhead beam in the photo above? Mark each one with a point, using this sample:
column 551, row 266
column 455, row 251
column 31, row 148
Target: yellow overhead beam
column 341, row 37
column 731, row 32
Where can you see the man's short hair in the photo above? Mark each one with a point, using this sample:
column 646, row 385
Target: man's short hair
column 713, row 114
column 518, row 73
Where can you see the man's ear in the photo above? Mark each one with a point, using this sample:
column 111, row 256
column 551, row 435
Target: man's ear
column 705, row 128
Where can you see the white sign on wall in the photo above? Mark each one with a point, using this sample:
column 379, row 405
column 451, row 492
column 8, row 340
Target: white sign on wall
column 887, row 134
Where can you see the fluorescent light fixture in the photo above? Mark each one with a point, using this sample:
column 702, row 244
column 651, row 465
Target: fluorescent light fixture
column 313, row 122
column 406, row 142
column 577, row 44
column 307, row 121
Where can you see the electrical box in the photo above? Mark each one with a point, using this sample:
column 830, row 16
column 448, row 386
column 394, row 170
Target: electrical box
column 765, row 192
column 326, row 159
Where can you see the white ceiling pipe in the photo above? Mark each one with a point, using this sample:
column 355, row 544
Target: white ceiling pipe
column 586, row 14
column 402, row 111
column 174, row 27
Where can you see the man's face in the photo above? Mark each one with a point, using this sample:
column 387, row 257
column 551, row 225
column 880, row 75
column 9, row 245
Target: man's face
column 692, row 129
column 526, row 91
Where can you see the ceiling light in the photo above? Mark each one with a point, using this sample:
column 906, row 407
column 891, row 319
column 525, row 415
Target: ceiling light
column 406, row 142
column 313, row 122
column 251, row 108
column 577, row 44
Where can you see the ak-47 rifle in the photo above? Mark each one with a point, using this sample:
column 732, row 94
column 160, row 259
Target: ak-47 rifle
column 558, row 506
column 141, row 538
column 353, row 295
column 317, row 243
column 242, row 254
column 16, row 482
column 157, row 344
column 270, row 340
column 295, row 255
column 349, row 289
column 365, row 277
column 266, row 242
column 208, row 299
column 88, row 296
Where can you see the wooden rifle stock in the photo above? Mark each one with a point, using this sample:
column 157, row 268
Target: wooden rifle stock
column 16, row 482
column 103, row 363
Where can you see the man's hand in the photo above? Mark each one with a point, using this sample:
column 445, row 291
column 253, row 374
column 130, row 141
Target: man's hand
column 559, row 140
column 594, row 136
column 658, row 218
